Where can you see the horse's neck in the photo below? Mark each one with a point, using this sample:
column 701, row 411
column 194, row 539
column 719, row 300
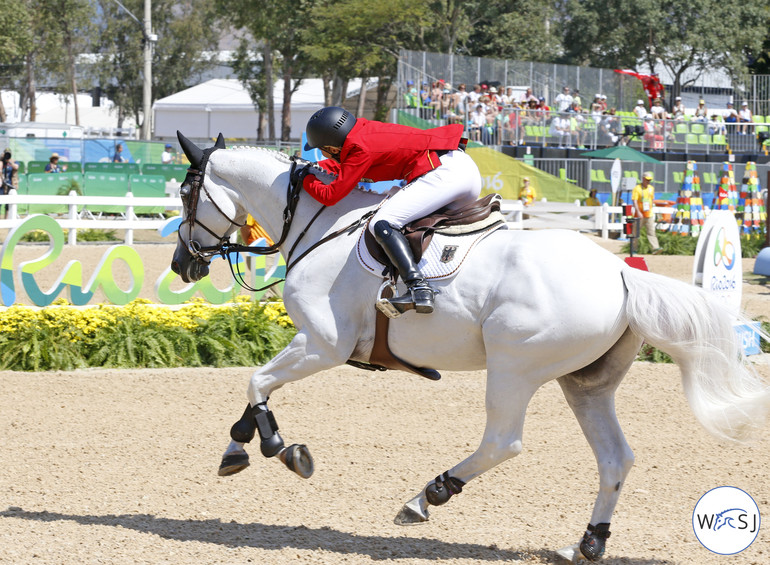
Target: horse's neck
column 260, row 179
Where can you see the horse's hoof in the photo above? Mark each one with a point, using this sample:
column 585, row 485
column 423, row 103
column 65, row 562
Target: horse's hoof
column 572, row 554
column 233, row 463
column 297, row 458
column 408, row 516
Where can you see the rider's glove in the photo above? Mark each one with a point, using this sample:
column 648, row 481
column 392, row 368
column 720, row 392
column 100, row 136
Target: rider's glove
column 301, row 171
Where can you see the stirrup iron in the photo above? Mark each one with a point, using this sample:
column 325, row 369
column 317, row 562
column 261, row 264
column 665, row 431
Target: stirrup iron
column 383, row 304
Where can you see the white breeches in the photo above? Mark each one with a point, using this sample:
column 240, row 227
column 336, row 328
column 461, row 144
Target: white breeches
column 455, row 183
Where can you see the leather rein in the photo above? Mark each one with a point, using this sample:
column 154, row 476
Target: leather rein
column 190, row 195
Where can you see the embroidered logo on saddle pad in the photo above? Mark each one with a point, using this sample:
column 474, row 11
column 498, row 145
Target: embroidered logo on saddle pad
column 443, row 257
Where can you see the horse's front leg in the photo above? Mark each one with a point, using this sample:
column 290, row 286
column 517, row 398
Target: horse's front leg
column 298, row 360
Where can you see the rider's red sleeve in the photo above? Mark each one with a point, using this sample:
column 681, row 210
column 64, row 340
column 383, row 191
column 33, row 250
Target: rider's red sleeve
column 349, row 173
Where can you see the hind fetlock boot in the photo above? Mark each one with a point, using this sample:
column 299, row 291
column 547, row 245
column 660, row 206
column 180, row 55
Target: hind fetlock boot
column 419, row 293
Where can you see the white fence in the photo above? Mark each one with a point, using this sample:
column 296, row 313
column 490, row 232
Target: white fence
column 572, row 216
column 78, row 216
column 540, row 215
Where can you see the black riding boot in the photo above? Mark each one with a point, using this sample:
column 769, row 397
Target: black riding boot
column 419, row 293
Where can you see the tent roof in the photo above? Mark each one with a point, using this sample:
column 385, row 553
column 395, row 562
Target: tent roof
column 229, row 94
column 622, row 152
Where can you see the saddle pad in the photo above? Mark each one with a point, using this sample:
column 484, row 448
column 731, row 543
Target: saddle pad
column 442, row 259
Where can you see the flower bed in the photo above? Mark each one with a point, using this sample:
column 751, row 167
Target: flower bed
column 141, row 334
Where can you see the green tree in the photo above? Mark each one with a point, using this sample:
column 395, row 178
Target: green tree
column 186, row 32
column 362, row 39
column 617, row 34
column 16, row 39
column 275, row 25
column 71, row 29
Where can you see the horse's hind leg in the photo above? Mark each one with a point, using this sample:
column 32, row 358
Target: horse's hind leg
column 506, row 405
column 590, row 392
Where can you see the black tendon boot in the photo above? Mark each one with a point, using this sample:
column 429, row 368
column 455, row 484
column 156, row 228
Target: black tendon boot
column 419, row 293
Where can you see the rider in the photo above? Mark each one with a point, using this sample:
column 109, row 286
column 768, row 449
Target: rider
column 436, row 170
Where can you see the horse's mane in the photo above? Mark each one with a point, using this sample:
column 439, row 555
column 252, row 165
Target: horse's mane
column 279, row 155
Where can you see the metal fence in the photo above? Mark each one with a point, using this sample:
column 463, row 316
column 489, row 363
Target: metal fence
column 669, row 175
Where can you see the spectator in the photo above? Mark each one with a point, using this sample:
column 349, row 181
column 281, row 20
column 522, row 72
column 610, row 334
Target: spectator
column 591, row 199
column 606, row 135
column 461, row 99
column 596, row 106
column 53, row 164
column 639, row 110
column 731, row 117
column 478, row 121
column 512, row 128
column 508, row 97
column 527, row 97
column 494, row 99
column 677, row 112
column 10, row 176
column 604, row 102
column 745, row 117
column 167, row 157
column 658, row 111
column 576, row 98
column 474, row 95
column 643, row 197
column 716, row 125
column 560, row 129
column 701, row 112
column 563, row 101
column 118, row 156
column 526, row 193
column 543, row 111
column 412, row 95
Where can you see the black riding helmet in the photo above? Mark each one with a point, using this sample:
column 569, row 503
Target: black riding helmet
column 329, row 126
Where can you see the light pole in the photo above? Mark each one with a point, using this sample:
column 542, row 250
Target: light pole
column 148, row 40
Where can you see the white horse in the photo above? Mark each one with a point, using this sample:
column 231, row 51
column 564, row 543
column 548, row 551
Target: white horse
column 528, row 306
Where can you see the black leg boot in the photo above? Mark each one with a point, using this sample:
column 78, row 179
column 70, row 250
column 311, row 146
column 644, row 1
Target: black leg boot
column 419, row 294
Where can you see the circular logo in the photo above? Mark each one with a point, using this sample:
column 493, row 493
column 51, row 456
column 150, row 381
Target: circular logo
column 724, row 250
column 726, row 520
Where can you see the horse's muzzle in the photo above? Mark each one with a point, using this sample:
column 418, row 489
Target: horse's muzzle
column 189, row 268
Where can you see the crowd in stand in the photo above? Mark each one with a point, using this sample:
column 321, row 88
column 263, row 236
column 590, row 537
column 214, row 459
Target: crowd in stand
column 493, row 114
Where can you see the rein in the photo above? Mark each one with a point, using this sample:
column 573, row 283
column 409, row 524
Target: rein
column 225, row 249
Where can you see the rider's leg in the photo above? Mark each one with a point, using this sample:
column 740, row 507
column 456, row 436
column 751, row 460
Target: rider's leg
column 419, row 292
column 456, row 183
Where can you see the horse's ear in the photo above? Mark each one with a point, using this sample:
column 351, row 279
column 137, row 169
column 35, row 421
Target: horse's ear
column 220, row 144
column 193, row 152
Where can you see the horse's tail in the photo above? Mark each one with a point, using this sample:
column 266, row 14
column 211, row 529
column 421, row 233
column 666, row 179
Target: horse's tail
column 726, row 395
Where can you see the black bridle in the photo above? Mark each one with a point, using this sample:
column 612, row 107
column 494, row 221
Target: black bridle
column 190, row 194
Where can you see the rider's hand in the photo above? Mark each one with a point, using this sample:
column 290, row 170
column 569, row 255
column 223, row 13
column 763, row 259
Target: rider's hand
column 300, row 172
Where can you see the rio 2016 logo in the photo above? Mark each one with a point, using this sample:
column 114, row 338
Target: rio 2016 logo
column 724, row 250
column 726, row 520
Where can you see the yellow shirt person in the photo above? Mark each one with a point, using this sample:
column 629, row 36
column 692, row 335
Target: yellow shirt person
column 527, row 193
column 643, row 197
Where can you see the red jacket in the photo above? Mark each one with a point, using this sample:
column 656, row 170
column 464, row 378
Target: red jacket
column 378, row 151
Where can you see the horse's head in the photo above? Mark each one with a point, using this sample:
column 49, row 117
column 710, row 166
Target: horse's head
column 208, row 215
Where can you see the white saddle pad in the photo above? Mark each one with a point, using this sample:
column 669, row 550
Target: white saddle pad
column 443, row 258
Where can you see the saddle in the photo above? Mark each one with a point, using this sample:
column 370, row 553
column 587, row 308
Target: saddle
column 477, row 216
column 471, row 218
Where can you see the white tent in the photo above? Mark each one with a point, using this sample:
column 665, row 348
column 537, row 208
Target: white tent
column 224, row 105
